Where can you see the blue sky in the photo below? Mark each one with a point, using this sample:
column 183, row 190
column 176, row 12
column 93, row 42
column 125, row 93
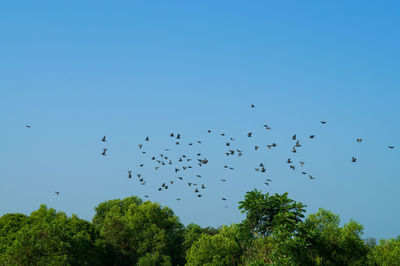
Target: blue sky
column 77, row 71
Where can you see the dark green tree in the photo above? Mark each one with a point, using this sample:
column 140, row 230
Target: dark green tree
column 141, row 232
column 51, row 238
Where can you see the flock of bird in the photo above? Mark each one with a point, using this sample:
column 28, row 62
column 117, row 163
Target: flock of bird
column 183, row 163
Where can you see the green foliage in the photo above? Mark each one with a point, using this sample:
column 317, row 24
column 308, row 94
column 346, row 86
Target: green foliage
column 219, row 250
column 10, row 224
column 320, row 241
column 141, row 232
column 133, row 232
column 387, row 253
column 51, row 238
column 265, row 212
column 193, row 232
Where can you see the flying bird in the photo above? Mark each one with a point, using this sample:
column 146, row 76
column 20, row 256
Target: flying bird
column 354, row 159
column 28, row 126
column 104, row 152
column 301, row 164
column 323, row 122
column 104, row 139
column 57, row 192
column 359, row 140
column 312, row 136
column 391, row 147
column 249, row 134
column 129, row 174
column 147, row 139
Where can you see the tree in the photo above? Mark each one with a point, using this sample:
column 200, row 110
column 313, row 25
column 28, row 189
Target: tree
column 193, row 232
column 140, row 232
column 264, row 212
column 387, row 253
column 51, row 238
column 320, row 241
column 219, row 250
column 10, row 224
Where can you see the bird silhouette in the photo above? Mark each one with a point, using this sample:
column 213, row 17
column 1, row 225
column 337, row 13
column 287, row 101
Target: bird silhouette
column 323, row 122
column 354, row 159
column 294, row 137
column 147, row 139
column 104, row 139
column 312, row 136
column 104, row 153
column 289, row 161
column 28, row 126
column 57, row 192
column 391, row 147
column 129, row 174
column 359, row 140
column 311, row 177
column 301, row 164
column 249, row 134
column 252, row 106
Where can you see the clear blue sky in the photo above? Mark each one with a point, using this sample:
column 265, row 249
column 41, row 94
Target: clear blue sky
column 129, row 69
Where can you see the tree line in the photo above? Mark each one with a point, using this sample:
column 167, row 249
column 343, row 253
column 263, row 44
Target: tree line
column 131, row 231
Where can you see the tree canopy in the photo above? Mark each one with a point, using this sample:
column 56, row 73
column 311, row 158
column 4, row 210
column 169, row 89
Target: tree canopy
column 130, row 231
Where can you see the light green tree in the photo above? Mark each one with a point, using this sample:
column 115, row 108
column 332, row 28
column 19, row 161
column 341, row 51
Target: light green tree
column 219, row 250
